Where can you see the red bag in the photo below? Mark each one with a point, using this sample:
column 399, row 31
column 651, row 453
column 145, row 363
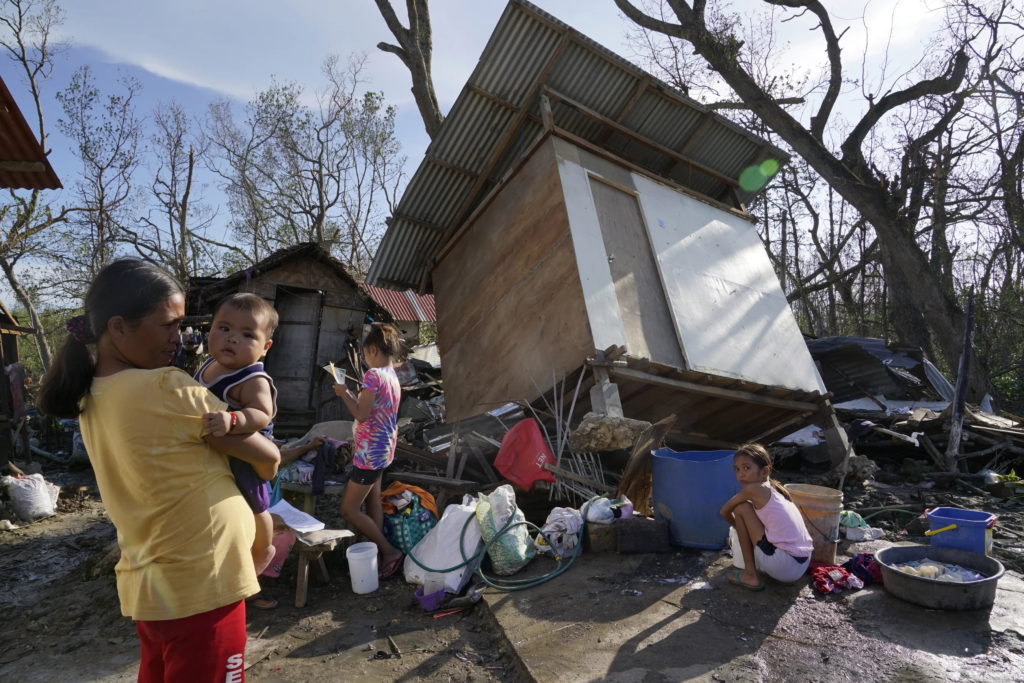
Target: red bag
column 523, row 454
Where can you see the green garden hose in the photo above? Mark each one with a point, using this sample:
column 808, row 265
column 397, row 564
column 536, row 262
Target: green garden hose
column 476, row 560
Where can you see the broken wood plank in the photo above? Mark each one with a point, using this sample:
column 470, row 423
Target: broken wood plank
column 1013, row 433
column 418, row 455
column 777, row 428
column 455, row 485
column 879, row 508
column 635, row 483
column 485, row 466
column 717, row 392
column 596, row 485
column 932, row 451
column 452, row 452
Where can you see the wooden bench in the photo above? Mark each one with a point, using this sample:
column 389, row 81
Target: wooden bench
column 308, row 499
column 311, row 548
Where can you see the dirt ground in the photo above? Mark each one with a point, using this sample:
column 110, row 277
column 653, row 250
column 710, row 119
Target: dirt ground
column 62, row 624
column 629, row 618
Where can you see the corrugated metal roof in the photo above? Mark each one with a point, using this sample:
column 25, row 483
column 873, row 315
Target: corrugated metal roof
column 404, row 305
column 595, row 95
column 23, row 163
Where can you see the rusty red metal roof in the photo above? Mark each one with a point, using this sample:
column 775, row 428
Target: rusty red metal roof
column 23, row 163
column 404, row 305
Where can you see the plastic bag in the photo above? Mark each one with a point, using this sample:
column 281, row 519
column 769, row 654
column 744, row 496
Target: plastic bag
column 439, row 549
column 513, row 549
column 407, row 526
column 560, row 533
column 864, row 533
column 599, row 511
column 32, row 497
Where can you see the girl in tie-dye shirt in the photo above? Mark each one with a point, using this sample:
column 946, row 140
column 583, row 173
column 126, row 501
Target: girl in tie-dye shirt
column 374, row 436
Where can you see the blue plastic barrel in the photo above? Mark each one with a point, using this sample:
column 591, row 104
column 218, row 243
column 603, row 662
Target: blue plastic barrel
column 689, row 488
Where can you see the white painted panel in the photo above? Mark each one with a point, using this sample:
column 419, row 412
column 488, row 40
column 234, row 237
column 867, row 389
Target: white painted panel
column 588, row 243
column 731, row 313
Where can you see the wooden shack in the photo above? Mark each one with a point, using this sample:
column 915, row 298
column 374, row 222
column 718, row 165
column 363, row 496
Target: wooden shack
column 12, row 387
column 322, row 310
column 23, row 165
column 576, row 215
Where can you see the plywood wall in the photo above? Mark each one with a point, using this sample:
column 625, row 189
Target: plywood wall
column 508, row 294
column 638, row 291
column 729, row 308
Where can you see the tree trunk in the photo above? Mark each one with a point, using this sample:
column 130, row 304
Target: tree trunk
column 920, row 305
column 415, row 48
column 26, row 300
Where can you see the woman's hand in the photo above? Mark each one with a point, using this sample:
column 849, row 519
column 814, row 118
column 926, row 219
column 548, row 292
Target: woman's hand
column 255, row 449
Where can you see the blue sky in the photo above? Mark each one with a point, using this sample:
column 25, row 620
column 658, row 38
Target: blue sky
column 196, row 51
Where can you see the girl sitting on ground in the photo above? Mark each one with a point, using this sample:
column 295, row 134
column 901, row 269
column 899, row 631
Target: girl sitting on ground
column 769, row 525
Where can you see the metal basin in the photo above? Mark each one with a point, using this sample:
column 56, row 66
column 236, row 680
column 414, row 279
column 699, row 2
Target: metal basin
column 940, row 594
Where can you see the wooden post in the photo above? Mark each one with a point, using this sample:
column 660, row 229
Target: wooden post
column 839, row 448
column 545, row 113
column 453, row 450
column 604, row 395
column 302, row 580
column 956, row 422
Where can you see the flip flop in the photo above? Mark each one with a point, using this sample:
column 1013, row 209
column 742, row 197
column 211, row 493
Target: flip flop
column 390, row 568
column 261, row 602
column 737, row 581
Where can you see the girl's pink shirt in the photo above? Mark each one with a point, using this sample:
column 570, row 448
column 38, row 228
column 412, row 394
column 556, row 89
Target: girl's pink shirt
column 784, row 525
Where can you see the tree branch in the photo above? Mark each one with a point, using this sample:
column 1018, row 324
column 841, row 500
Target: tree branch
column 648, row 22
column 941, row 85
column 835, row 77
column 395, row 50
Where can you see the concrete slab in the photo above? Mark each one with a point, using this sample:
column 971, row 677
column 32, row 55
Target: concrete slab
column 675, row 617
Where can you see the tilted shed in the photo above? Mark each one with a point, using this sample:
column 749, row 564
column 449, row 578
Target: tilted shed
column 322, row 308
column 573, row 205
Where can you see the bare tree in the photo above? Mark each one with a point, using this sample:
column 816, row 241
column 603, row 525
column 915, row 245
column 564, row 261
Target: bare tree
column 415, row 46
column 28, row 218
column 106, row 132
column 922, row 308
column 175, row 228
column 319, row 172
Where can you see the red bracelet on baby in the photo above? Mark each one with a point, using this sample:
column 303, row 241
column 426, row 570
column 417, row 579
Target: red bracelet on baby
column 234, row 420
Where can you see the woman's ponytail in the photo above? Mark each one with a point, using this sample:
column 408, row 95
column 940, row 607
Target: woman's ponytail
column 67, row 381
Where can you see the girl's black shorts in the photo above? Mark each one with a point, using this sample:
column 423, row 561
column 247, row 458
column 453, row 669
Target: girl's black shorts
column 364, row 477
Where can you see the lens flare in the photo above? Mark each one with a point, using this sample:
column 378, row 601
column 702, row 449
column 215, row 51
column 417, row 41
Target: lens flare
column 753, row 178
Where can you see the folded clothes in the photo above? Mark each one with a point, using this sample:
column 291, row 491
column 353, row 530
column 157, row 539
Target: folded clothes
column 831, row 578
column 865, row 567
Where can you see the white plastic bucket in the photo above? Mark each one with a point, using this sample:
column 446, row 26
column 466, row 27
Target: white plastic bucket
column 737, row 550
column 820, row 507
column 362, row 567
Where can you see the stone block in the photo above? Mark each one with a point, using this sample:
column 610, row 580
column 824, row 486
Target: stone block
column 642, row 535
